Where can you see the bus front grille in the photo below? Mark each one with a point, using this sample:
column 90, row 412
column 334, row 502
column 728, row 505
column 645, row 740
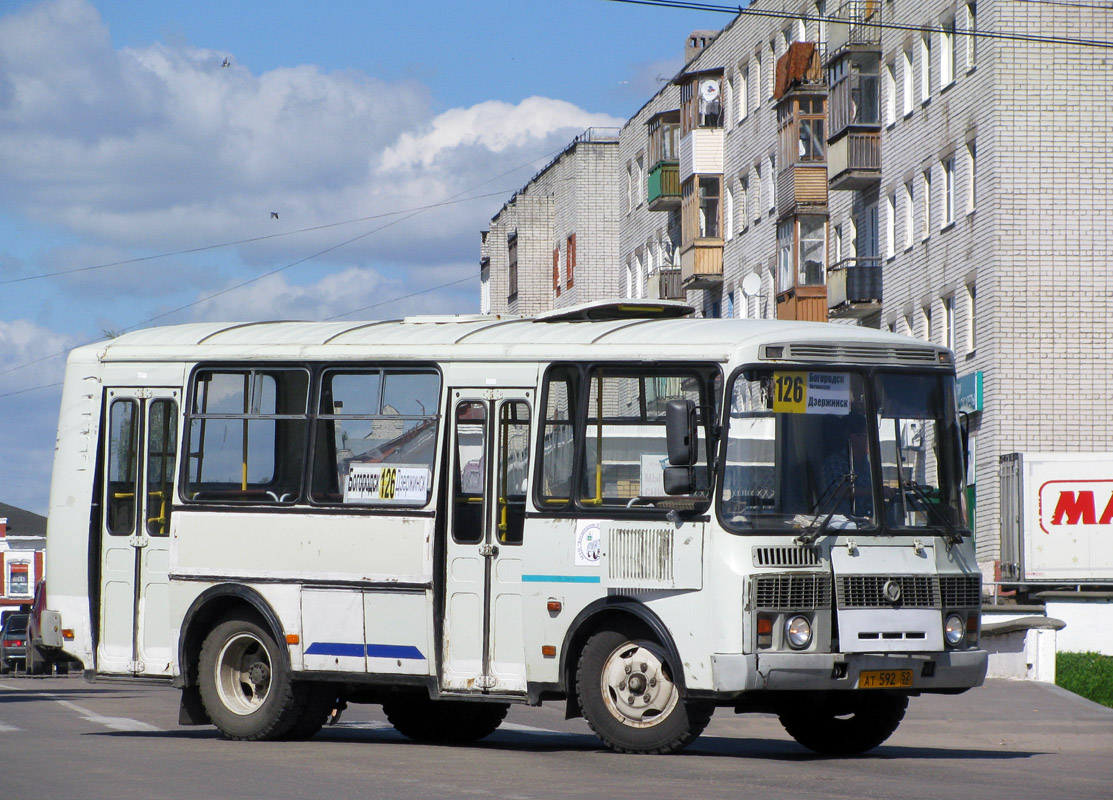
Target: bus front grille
column 792, row 592
column 873, row 591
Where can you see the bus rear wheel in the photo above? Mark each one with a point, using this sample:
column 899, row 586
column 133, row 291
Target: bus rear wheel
column 422, row 719
column 245, row 681
column 629, row 696
column 845, row 726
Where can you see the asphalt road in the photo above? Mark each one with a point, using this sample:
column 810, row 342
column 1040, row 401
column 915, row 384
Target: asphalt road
column 63, row 738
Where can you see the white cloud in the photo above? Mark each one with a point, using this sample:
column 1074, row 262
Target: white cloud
column 160, row 148
column 493, row 125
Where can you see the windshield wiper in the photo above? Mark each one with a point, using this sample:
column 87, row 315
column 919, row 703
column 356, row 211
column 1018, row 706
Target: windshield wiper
column 826, row 508
column 950, row 534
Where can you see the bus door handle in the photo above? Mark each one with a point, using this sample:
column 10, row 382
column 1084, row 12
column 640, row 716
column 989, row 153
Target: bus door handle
column 489, row 550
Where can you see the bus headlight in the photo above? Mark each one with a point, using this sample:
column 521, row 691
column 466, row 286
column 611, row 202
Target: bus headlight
column 954, row 630
column 798, row 632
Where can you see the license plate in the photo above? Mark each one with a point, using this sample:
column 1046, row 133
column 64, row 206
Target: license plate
column 885, row 679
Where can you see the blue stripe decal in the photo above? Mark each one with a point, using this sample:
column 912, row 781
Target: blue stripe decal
column 335, row 649
column 394, row 651
column 560, row 579
column 353, row 650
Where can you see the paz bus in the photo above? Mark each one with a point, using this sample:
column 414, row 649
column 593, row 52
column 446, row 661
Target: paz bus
column 643, row 515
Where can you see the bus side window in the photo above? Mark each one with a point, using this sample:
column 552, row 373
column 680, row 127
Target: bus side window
column 162, row 449
column 123, row 437
column 558, row 437
column 470, row 478
column 513, row 470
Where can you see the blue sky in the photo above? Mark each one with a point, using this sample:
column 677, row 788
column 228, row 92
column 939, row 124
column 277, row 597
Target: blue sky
column 123, row 137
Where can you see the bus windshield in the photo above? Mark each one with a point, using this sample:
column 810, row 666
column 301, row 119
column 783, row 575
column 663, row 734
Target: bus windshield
column 835, row 448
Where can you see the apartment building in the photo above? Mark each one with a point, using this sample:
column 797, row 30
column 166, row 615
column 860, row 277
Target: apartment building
column 938, row 168
column 555, row 242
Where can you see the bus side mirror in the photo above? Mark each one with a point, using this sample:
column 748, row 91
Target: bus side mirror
column 679, row 480
column 680, row 433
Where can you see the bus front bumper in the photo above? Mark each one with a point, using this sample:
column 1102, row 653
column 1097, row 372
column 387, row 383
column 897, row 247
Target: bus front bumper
column 931, row 672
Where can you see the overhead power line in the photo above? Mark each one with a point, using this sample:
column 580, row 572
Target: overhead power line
column 978, row 33
column 251, row 240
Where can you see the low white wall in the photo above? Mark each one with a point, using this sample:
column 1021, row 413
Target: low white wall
column 1023, row 650
column 1089, row 622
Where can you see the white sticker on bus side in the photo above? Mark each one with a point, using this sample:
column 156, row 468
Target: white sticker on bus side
column 382, row 484
column 589, row 542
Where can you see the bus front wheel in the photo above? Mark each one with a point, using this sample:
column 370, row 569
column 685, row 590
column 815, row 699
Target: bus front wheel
column 245, row 681
column 629, row 696
column 845, row 726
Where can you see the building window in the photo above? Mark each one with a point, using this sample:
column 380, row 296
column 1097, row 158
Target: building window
column 971, row 298
column 928, row 332
column 512, row 269
column 925, row 67
column 890, row 94
column 709, row 207
column 743, row 202
column 821, row 22
column 890, row 225
column 556, row 271
column 784, row 254
column 570, row 260
column 770, row 183
column 949, row 322
column 742, row 93
column 813, row 250
column 772, row 70
column 728, row 214
column 948, row 191
column 909, row 215
column 908, row 82
column 756, row 80
column 926, row 232
column 629, row 187
column 630, row 276
column 947, row 53
column 836, row 239
column 971, row 176
column 641, row 188
column 971, row 35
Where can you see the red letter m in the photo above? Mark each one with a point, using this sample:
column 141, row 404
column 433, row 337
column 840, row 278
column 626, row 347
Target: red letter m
column 1075, row 508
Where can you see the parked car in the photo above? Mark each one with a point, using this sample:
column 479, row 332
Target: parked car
column 13, row 642
column 43, row 659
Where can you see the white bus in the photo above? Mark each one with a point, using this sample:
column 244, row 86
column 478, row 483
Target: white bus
column 643, row 515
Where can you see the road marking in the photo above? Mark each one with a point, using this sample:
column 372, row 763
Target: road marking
column 113, row 723
column 6, row 728
column 11, row 688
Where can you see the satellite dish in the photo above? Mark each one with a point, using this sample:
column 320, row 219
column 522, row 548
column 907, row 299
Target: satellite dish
column 751, row 285
column 709, row 90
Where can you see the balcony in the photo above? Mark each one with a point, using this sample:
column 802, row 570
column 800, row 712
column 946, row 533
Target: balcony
column 701, row 152
column 802, row 188
column 665, row 285
column 664, row 186
column 857, row 23
column 808, row 303
column 854, row 287
column 701, row 264
column 854, row 161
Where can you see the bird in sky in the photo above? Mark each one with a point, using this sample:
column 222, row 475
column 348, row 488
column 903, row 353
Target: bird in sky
column 227, row 63
column 274, row 215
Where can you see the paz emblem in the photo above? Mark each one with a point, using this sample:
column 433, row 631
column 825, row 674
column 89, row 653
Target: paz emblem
column 891, row 590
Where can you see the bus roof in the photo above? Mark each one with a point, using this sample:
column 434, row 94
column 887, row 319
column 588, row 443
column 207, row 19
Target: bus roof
column 510, row 338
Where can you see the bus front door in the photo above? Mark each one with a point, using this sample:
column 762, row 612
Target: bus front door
column 139, row 458
column 483, row 644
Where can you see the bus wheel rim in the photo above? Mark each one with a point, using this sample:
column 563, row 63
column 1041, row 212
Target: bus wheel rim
column 243, row 674
column 636, row 688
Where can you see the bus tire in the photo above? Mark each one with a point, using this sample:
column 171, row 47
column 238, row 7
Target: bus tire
column 320, row 700
column 629, row 696
column 244, row 679
column 843, row 727
column 422, row 719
